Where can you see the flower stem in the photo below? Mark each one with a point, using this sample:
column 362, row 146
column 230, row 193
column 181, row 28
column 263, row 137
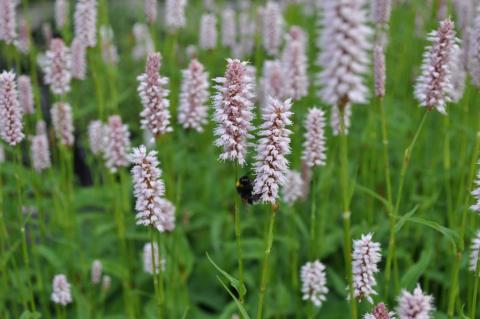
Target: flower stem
column 313, row 217
column 406, row 161
column 473, row 310
column 238, row 236
column 345, row 182
column 266, row 258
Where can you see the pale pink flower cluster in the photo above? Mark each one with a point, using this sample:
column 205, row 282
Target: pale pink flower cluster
column 474, row 49
column 380, row 312
column 246, row 30
column 106, row 283
column 314, row 283
column 153, row 93
column 117, row 144
column 96, row 272
column 8, row 21
column 193, row 111
column 314, row 146
column 23, row 42
column 272, row 28
column 97, row 132
column 208, row 31
column 61, row 290
column 476, row 194
column 151, row 256
column 11, row 126
column 381, row 12
column 143, row 42
column 79, row 59
column 415, row 305
column 61, row 13
column 459, row 74
column 293, row 187
column 433, row 88
column 379, row 71
column 175, row 14
column 39, row 149
column 294, row 60
column 365, row 258
column 229, row 28
column 150, row 8
column 86, row 22
column 57, row 67
column 149, row 189
column 25, row 94
column 62, row 120
column 273, row 79
column 109, row 50
column 272, row 148
column 234, row 111
column 475, row 247
column 344, row 57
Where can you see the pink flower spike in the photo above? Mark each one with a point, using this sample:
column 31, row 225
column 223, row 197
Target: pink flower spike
column 11, row 126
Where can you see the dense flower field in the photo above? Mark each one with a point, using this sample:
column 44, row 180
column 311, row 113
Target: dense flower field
column 239, row 159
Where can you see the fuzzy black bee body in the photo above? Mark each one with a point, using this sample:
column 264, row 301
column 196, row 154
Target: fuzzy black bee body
column 244, row 187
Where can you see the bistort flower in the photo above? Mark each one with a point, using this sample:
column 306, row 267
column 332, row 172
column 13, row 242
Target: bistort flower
column 234, row 111
column 11, row 126
column 61, row 290
column 314, row 148
column 415, row 305
column 153, row 93
column 193, row 111
column 314, row 283
column 365, row 258
column 274, row 145
column 434, row 88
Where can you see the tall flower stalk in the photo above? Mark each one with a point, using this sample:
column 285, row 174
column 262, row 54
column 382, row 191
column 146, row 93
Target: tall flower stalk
column 233, row 115
column 314, row 155
column 271, row 168
column 342, row 84
column 433, row 90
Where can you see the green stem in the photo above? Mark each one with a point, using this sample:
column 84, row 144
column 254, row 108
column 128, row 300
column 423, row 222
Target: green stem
column 346, row 214
column 266, row 259
column 313, row 216
column 473, row 310
column 155, row 274
column 238, row 237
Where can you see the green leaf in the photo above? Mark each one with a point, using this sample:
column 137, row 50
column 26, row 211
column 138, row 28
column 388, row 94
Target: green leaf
column 6, row 255
column 241, row 289
column 241, row 308
column 404, row 219
column 30, row 315
column 377, row 196
column 451, row 235
column 411, row 277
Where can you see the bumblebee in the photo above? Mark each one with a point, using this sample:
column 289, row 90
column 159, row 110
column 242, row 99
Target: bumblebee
column 244, row 187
